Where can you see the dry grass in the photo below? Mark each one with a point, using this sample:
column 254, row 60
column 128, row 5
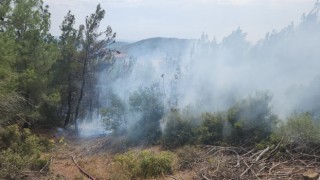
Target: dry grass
column 192, row 163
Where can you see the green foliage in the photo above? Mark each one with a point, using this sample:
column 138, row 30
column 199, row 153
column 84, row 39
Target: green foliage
column 20, row 150
column 39, row 163
column 247, row 122
column 95, row 56
column 48, row 110
column 178, row 131
column 114, row 115
column 7, row 76
column 303, row 128
column 146, row 104
column 211, row 128
column 45, row 73
column 146, row 164
column 251, row 120
column 299, row 129
column 27, row 53
column 67, row 67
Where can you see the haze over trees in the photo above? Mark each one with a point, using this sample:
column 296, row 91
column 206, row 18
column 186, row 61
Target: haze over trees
column 232, row 95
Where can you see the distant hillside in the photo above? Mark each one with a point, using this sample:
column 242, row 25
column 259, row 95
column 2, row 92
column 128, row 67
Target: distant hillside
column 118, row 44
column 156, row 46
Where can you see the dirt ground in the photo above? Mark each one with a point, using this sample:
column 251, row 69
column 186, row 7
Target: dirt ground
column 95, row 156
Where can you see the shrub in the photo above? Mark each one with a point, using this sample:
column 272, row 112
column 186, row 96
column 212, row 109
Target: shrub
column 145, row 164
column 19, row 150
column 178, row 131
column 118, row 172
column 251, row 120
column 148, row 106
column 211, row 129
column 39, row 163
column 299, row 129
column 114, row 115
column 130, row 163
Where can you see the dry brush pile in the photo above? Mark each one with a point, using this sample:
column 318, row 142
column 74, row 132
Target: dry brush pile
column 272, row 162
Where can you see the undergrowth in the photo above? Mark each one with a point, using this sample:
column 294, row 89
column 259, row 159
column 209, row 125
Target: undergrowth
column 20, row 150
column 144, row 164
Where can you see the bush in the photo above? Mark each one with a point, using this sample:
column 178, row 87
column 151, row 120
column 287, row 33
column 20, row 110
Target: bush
column 47, row 112
column 178, row 131
column 145, row 164
column 20, row 150
column 251, row 120
column 211, row 129
column 301, row 129
column 114, row 115
column 148, row 106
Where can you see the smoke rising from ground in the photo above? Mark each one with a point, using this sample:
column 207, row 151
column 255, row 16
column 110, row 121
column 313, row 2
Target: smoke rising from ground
column 211, row 76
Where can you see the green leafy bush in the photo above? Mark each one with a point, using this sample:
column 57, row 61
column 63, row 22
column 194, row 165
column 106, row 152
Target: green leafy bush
column 178, row 130
column 301, row 129
column 211, row 129
column 20, row 150
column 145, row 164
column 114, row 115
column 147, row 106
column 48, row 109
column 251, row 120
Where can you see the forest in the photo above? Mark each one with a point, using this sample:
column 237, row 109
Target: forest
column 83, row 105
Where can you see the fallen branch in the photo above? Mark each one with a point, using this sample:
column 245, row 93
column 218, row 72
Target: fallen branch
column 309, row 155
column 172, row 177
column 32, row 172
column 262, row 153
column 270, row 170
column 249, row 168
column 82, row 170
column 276, row 148
column 244, row 172
column 204, row 177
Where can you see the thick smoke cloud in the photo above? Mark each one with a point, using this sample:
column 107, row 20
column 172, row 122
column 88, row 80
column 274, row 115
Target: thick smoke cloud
column 212, row 76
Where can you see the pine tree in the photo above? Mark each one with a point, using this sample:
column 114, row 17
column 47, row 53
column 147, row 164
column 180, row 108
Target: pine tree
column 95, row 54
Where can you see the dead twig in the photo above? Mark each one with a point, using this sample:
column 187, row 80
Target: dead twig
column 247, row 153
column 309, row 155
column 216, row 169
column 172, row 177
column 270, row 170
column 33, row 172
column 46, row 165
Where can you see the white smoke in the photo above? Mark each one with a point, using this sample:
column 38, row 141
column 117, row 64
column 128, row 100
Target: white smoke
column 212, row 76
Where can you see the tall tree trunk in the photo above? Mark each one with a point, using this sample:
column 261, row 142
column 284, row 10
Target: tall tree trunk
column 69, row 99
column 91, row 97
column 81, row 91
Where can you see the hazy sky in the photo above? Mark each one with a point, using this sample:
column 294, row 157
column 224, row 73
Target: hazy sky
column 140, row 19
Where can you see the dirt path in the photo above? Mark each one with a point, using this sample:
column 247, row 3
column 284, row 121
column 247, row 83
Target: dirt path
column 85, row 152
